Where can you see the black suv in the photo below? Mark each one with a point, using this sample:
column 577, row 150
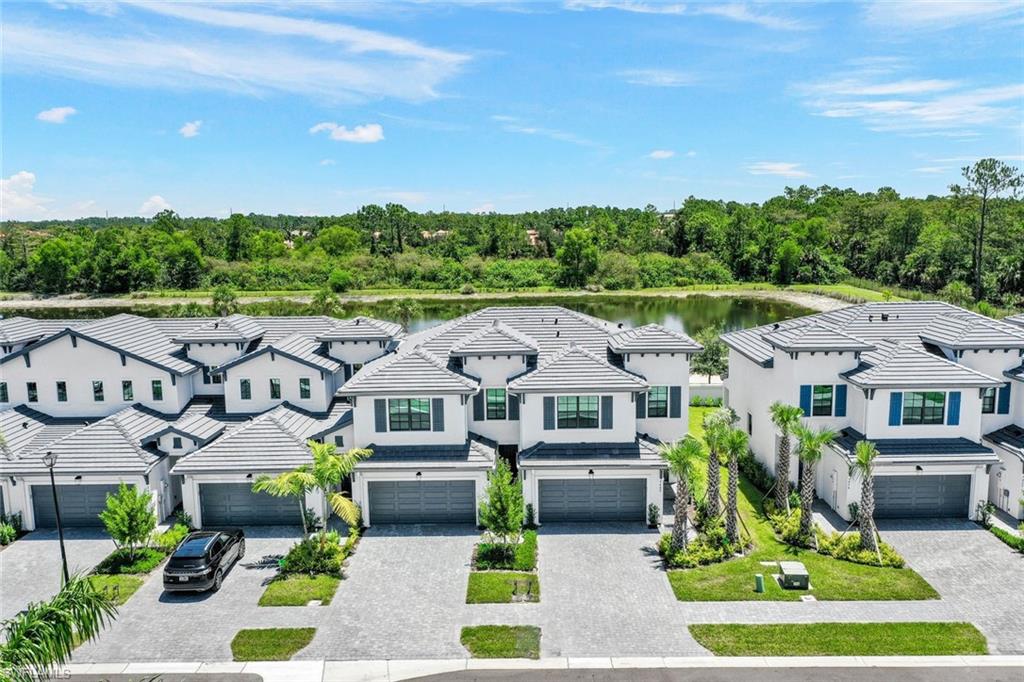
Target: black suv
column 201, row 560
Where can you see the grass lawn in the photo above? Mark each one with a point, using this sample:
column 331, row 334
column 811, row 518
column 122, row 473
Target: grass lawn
column 495, row 587
column 119, row 587
column 502, row 641
column 271, row 644
column 842, row 639
column 299, row 590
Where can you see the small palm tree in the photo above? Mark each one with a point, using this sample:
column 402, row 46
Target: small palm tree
column 864, row 467
column 288, row 484
column 684, row 458
column 735, row 445
column 716, row 425
column 43, row 636
column 405, row 310
column 786, row 418
column 809, row 450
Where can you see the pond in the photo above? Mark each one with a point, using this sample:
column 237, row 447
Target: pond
column 689, row 314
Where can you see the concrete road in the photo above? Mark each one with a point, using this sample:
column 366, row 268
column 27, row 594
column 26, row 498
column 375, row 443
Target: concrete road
column 903, row 674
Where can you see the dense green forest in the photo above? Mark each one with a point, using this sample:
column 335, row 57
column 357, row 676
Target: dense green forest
column 805, row 235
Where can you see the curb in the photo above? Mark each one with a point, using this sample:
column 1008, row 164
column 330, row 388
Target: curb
column 395, row 670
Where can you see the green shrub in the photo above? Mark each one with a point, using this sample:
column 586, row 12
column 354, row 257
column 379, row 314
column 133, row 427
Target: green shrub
column 169, row 539
column 526, row 552
column 129, row 518
column 320, row 553
column 340, row 280
column 124, row 562
column 787, row 526
column 7, row 534
column 1015, row 541
column 495, row 556
column 700, row 552
column 847, row 547
column 755, row 472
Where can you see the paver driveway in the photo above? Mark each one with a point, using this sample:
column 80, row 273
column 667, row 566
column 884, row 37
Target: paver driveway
column 976, row 574
column 30, row 569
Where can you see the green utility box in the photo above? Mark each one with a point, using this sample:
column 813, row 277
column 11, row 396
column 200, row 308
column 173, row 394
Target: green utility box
column 794, row 575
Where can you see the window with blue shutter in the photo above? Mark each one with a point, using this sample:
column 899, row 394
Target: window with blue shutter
column 675, row 402
column 437, row 412
column 953, row 414
column 606, row 412
column 641, row 405
column 1004, row 399
column 478, row 406
column 549, row 413
column 805, row 399
column 895, row 408
column 513, row 407
column 841, row 400
column 380, row 415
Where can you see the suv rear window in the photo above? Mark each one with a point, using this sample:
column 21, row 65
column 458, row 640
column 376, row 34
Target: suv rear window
column 193, row 548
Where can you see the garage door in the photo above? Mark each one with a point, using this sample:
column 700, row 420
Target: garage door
column 235, row 504
column 922, row 496
column 80, row 505
column 422, row 502
column 593, row 500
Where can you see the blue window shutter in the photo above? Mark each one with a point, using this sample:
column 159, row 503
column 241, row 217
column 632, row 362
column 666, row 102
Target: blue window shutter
column 1004, row 399
column 675, row 402
column 805, row 399
column 953, row 411
column 380, row 415
column 895, row 408
column 549, row 413
column 513, row 407
column 641, row 405
column 606, row 412
column 437, row 413
column 841, row 400
column 478, row 406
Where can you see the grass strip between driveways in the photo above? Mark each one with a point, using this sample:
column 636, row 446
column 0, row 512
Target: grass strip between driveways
column 502, row 641
column 842, row 639
column 271, row 644
column 496, row 587
column 118, row 587
column 299, row 589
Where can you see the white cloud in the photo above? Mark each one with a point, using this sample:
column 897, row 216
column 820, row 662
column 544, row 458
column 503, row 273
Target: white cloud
column 742, row 13
column 935, row 14
column 18, row 201
column 661, row 154
column 190, row 129
column 658, row 78
column 932, row 169
column 783, row 168
column 691, row 153
column 736, row 11
column 56, row 115
column 153, row 205
column 361, row 134
column 327, row 162
column 627, row 6
column 513, row 124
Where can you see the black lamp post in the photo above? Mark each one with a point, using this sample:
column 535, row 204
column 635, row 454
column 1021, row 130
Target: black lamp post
column 50, row 460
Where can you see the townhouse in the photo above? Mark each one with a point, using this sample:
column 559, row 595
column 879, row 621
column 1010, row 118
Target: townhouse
column 937, row 388
column 195, row 409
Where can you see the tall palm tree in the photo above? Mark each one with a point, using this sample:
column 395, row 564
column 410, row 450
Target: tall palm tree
column 42, row 637
column 735, row 445
column 786, row 418
column 716, row 425
column 864, row 467
column 684, row 458
column 809, row 450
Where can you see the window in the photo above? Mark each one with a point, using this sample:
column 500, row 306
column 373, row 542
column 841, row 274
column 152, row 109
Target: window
column 245, row 389
column 495, row 403
column 176, row 443
column 750, row 424
column 4, row 397
column 62, row 391
column 210, row 378
column 409, row 414
column 275, row 389
column 97, row 391
column 657, row 401
column 127, row 391
column 577, row 412
column 822, row 404
column 339, row 441
column 924, row 408
column 32, row 391
column 217, row 378
column 158, row 389
column 304, row 392
column 988, row 401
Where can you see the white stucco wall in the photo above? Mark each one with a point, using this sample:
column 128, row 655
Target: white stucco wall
column 664, row 369
column 532, row 422
column 260, row 370
column 494, row 372
column 1006, row 482
column 355, row 352
column 364, row 433
column 969, row 426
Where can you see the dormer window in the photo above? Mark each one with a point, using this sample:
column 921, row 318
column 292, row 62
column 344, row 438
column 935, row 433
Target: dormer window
column 988, row 400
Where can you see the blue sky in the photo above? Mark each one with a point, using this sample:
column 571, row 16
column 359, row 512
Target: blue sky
column 317, row 108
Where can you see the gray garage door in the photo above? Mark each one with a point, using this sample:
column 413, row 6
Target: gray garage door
column 235, row 504
column 922, row 496
column 593, row 500
column 422, row 502
column 80, row 505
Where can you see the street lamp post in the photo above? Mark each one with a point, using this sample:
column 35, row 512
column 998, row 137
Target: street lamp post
column 50, row 460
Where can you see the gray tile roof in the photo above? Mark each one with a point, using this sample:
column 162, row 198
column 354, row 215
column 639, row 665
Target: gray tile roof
column 641, row 452
column 1010, row 438
column 902, row 365
column 910, row 450
column 1015, row 373
column 231, row 329
column 361, row 328
column 139, row 338
column 202, row 420
column 652, row 338
column 19, row 330
column 23, row 429
column 576, row 369
column 968, row 332
column 300, row 347
column 814, row 337
column 497, row 338
column 1015, row 319
column 411, row 373
column 476, row 453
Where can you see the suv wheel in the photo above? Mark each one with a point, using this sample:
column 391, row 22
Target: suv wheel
column 241, row 549
column 218, row 579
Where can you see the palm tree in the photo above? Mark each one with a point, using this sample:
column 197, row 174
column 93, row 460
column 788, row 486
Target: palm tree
column 716, row 425
column 683, row 459
column 43, row 636
column 785, row 417
column 809, row 450
column 404, row 311
column 288, row 484
column 735, row 445
column 864, row 466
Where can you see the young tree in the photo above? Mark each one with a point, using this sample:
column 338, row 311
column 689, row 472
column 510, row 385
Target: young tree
column 864, row 467
column 809, row 450
column 714, row 359
column 129, row 518
column 984, row 181
column 577, row 257
column 501, row 510
column 288, row 484
column 786, row 418
column 735, row 443
column 323, row 302
column 404, row 310
column 225, row 300
column 684, row 457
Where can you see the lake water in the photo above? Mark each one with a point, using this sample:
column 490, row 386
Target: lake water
column 689, row 314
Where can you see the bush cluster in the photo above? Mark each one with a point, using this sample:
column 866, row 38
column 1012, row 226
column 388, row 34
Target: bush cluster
column 787, row 527
column 701, row 551
column 1014, row 541
column 847, row 547
column 7, row 534
column 705, row 401
column 755, row 472
column 495, row 556
column 120, row 561
column 168, row 540
column 320, row 553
